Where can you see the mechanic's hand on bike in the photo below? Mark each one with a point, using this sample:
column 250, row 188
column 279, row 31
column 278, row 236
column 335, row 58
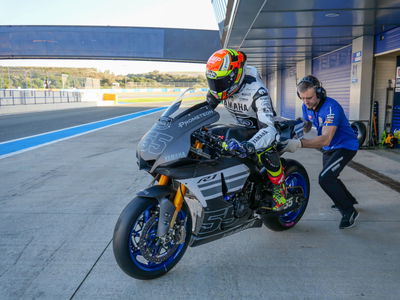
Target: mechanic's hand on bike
column 243, row 149
column 291, row 145
column 307, row 124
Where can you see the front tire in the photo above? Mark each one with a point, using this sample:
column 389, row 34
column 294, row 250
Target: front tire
column 296, row 176
column 138, row 250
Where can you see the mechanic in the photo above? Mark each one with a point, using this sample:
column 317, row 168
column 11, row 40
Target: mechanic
column 245, row 96
column 336, row 138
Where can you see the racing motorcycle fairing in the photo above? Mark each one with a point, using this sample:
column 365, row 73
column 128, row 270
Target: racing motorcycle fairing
column 169, row 138
column 218, row 220
column 193, row 168
column 218, row 215
column 239, row 133
column 216, row 184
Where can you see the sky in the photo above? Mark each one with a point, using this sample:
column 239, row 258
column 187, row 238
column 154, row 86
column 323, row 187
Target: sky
column 192, row 14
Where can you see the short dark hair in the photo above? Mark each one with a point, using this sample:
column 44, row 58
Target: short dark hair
column 308, row 82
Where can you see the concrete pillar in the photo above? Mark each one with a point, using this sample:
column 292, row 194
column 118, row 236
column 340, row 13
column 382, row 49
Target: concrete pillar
column 264, row 77
column 303, row 68
column 361, row 78
column 274, row 88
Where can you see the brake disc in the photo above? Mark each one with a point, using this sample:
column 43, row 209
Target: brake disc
column 155, row 249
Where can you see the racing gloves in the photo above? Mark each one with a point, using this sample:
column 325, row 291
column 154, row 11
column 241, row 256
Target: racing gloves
column 291, row 145
column 243, row 149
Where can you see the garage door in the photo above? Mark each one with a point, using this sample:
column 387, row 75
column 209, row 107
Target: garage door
column 334, row 71
column 387, row 41
column 288, row 93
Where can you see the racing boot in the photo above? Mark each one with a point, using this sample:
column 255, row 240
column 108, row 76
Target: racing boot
column 279, row 197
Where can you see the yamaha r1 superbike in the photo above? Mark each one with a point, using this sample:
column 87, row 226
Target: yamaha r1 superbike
column 200, row 192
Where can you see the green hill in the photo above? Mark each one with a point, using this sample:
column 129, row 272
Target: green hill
column 54, row 77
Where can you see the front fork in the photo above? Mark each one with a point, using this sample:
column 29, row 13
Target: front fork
column 167, row 208
column 169, row 211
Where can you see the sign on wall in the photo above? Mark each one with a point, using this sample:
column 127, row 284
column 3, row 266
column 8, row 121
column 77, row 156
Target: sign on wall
column 397, row 80
column 357, row 56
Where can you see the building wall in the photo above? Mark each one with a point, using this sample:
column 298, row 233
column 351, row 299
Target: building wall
column 288, row 93
column 333, row 70
column 385, row 68
column 274, row 87
column 361, row 78
column 303, row 68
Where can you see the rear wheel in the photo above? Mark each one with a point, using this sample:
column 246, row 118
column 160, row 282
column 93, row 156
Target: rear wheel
column 139, row 252
column 297, row 182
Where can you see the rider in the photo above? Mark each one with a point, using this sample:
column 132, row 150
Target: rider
column 245, row 96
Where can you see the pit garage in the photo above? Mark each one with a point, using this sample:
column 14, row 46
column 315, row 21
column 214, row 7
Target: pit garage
column 351, row 46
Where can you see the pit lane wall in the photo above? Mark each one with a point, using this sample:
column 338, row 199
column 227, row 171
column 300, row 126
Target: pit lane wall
column 28, row 97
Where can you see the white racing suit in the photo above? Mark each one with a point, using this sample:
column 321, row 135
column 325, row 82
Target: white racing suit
column 251, row 106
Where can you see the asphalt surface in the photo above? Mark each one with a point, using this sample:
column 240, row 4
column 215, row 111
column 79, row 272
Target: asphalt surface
column 59, row 204
column 15, row 126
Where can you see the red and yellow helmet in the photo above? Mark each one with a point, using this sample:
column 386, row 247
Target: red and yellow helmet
column 224, row 72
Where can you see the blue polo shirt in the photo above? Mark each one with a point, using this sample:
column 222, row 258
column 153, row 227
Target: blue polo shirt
column 330, row 113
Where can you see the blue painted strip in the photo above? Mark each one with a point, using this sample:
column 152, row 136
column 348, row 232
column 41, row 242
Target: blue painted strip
column 34, row 141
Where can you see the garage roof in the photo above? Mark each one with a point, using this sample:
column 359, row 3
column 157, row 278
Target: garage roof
column 275, row 34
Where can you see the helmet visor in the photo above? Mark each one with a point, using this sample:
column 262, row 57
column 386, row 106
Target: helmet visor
column 220, row 85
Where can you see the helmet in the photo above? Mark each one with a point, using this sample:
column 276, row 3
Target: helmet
column 224, row 72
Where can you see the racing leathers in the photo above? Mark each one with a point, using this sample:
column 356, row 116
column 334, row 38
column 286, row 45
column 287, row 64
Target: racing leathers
column 251, row 107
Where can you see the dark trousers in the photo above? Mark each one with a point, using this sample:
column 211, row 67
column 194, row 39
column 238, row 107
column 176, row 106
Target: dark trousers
column 333, row 163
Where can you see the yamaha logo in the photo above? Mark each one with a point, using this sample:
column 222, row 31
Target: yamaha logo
column 262, row 91
column 245, row 122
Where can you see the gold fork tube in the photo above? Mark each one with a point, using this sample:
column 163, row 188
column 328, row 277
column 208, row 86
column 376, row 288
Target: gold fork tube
column 178, row 202
column 163, row 180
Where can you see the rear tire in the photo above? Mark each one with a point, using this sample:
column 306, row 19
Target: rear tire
column 140, row 218
column 296, row 175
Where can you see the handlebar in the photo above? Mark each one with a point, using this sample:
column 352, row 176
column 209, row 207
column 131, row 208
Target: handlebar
column 213, row 141
column 288, row 129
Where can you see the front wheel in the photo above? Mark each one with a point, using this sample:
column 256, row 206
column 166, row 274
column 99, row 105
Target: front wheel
column 138, row 250
column 297, row 181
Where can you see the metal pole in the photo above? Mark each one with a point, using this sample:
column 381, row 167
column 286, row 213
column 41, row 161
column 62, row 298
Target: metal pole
column 9, row 80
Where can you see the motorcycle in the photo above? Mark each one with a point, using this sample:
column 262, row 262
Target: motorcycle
column 200, row 192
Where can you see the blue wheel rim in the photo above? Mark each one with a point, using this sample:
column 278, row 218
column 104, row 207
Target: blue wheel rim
column 295, row 179
column 135, row 253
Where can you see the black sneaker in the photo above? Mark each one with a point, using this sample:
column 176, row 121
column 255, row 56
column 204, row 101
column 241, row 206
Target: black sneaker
column 349, row 219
